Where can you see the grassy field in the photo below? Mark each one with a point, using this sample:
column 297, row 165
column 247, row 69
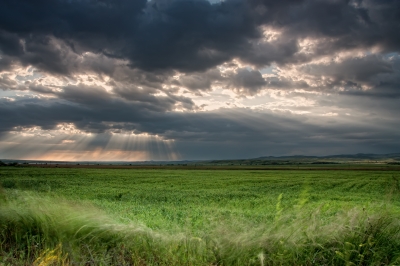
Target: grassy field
column 78, row 216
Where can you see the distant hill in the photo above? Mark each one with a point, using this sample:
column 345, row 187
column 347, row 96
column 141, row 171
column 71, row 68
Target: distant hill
column 359, row 158
column 393, row 158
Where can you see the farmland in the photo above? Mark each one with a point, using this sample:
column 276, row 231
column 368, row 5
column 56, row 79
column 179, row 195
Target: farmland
column 167, row 216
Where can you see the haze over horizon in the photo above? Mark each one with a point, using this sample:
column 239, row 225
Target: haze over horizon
column 134, row 80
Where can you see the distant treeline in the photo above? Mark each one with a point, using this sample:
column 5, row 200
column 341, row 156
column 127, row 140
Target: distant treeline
column 325, row 163
column 8, row 164
column 12, row 164
column 275, row 162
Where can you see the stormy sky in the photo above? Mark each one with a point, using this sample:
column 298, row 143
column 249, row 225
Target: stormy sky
column 197, row 79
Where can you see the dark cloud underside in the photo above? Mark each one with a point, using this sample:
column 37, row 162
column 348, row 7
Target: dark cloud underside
column 293, row 73
column 190, row 35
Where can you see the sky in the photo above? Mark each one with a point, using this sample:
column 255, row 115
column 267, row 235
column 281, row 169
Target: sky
column 134, row 80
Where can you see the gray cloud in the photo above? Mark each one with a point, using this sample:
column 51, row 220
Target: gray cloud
column 247, row 82
column 371, row 75
column 285, row 83
column 147, row 52
column 258, row 130
column 200, row 81
column 356, row 69
column 190, row 35
column 7, row 83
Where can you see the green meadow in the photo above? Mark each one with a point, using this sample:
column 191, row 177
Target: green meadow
column 55, row 216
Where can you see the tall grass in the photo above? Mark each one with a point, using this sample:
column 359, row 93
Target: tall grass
column 43, row 230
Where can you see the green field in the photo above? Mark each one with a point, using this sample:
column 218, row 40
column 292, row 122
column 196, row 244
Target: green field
column 199, row 217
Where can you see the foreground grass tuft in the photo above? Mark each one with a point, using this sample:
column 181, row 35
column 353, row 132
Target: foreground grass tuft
column 42, row 230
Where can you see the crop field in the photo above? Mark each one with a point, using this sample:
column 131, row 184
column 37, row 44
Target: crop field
column 88, row 216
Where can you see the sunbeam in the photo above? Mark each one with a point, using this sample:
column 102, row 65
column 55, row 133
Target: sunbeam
column 62, row 145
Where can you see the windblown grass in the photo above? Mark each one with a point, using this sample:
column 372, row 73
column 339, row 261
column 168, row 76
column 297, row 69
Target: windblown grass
column 43, row 230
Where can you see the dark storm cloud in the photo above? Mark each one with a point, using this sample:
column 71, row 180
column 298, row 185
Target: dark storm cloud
column 88, row 107
column 147, row 52
column 189, row 35
column 10, row 44
column 88, row 21
column 97, row 26
column 34, row 112
column 283, row 50
column 223, row 128
column 353, row 24
column 122, row 97
column 192, row 35
column 96, row 115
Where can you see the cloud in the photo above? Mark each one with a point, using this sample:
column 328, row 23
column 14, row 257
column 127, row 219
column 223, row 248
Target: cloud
column 369, row 75
column 201, row 81
column 247, row 82
column 192, row 35
column 268, row 72
column 209, row 132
